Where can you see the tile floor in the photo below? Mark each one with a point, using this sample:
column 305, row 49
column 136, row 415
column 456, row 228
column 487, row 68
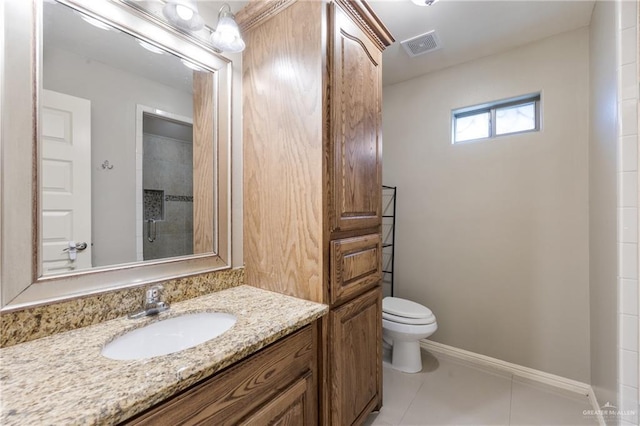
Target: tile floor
column 450, row 391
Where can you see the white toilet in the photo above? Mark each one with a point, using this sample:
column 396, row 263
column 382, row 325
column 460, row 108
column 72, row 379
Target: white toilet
column 404, row 323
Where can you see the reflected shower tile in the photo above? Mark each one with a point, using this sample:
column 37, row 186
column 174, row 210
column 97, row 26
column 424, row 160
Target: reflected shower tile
column 153, row 204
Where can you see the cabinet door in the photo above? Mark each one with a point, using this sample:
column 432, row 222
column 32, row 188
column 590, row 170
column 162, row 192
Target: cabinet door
column 356, row 358
column 293, row 407
column 356, row 147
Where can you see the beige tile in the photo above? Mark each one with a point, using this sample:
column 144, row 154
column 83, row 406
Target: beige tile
column 629, row 404
column 628, row 195
column 628, row 117
column 373, row 420
column 458, row 393
column 628, row 45
column 400, row 389
column 628, row 297
column 628, row 81
column 628, row 14
column 629, row 152
column 628, row 261
column 628, row 225
column 629, row 368
column 450, row 391
column 629, row 332
column 533, row 403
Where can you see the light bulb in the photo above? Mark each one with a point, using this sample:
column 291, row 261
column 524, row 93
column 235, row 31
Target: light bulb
column 226, row 37
column 184, row 12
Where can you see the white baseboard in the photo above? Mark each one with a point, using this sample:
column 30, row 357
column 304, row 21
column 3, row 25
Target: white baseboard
column 518, row 370
column 595, row 406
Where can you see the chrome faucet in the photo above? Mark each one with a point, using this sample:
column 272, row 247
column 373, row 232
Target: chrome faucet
column 152, row 303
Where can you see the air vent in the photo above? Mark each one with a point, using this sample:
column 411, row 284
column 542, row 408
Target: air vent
column 422, row 44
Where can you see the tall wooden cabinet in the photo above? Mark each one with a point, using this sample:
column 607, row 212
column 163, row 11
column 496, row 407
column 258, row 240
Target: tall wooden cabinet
column 312, row 139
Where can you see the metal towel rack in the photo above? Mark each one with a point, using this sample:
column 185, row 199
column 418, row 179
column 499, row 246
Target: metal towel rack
column 388, row 234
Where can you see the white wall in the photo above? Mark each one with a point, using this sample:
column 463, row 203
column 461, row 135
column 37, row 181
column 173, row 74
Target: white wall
column 493, row 235
column 602, row 202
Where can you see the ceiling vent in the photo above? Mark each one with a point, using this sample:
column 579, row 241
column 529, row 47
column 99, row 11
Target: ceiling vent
column 421, row 44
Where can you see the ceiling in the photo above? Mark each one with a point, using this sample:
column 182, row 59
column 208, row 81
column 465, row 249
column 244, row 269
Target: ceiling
column 64, row 29
column 467, row 30
column 471, row 29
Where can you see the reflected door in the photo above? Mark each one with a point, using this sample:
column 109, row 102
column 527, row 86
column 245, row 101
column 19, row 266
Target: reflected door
column 66, row 182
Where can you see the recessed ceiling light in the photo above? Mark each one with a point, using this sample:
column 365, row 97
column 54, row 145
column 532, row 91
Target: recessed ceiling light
column 150, row 47
column 183, row 14
column 95, row 22
column 191, row 65
column 424, row 2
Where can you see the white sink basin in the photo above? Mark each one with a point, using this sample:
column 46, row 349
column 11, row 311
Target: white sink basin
column 169, row 336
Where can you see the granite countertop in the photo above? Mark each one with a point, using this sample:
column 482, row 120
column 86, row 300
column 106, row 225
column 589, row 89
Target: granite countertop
column 63, row 379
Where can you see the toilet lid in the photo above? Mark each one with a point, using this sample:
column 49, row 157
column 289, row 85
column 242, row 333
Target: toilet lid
column 410, row 321
column 405, row 308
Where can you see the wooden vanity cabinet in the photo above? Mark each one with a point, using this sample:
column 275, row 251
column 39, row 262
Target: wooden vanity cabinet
column 312, row 85
column 276, row 386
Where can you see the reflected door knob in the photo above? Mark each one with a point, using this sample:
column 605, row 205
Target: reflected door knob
column 74, row 248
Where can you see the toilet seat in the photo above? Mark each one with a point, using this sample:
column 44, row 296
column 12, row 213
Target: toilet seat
column 404, row 311
column 412, row 321
column 409, row 329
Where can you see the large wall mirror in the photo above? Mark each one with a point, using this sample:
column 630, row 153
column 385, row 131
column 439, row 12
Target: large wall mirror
column 124, row 126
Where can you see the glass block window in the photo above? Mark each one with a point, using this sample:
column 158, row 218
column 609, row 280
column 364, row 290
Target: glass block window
column 515, row 115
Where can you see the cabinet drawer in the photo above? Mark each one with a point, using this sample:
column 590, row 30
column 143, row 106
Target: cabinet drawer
column 273, row 374
column 356, row 266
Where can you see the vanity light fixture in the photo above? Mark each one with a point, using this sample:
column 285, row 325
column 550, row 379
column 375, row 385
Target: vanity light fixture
column 150, row 47
column 226, row 37
column 183, row 14
column 424, row 2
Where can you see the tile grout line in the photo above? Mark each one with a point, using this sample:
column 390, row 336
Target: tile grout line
column 411, row 403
